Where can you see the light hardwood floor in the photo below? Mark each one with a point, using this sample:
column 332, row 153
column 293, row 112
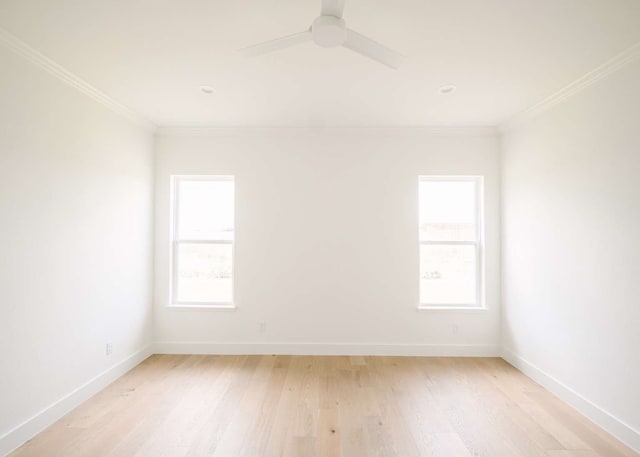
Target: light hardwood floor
column 297, row 406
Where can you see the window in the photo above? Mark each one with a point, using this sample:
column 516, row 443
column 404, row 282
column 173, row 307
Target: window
column 202, row 240
column 450, row 241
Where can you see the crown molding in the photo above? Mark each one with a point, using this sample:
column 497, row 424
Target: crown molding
column 443, row 131
column 27, row 52
column 611, row 66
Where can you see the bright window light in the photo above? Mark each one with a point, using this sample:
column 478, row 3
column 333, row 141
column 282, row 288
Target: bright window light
column 450, row 230
column 202, row 240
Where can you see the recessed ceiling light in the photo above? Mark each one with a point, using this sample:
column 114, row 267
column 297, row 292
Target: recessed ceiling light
column 206, row 89
column 448, row 89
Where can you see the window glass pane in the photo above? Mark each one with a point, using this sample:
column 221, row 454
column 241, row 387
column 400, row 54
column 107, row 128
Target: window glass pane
column 448, row 274
column 447, row 210
column 205, row 210
column 204, row 273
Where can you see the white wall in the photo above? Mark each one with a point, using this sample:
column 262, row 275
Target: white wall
column 76, row 183
column 326, row 241
column 571, row 256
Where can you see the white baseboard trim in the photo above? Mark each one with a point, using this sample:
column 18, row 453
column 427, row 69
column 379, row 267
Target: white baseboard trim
column 618, row 428
column 34, row 425
column 38, row 422
column 433, row 350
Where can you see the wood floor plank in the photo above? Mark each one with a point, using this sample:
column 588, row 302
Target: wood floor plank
column 303, row 406
column 595, row 437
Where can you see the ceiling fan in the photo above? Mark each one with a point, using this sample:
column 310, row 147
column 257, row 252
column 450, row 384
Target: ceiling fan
column 329, row 30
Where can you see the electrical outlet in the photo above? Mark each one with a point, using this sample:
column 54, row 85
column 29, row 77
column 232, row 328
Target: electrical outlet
column 262, row 327
column 108, row 348
column 455, row 328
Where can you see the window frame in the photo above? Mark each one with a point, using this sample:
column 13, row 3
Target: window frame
column 478, row 243
column 176, row 242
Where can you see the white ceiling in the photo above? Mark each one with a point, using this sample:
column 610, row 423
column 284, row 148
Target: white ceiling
column 153, row 55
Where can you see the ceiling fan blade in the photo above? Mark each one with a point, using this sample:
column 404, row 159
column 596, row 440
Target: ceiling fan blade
column 276, row 45
column 332, row 8
column 372, row 49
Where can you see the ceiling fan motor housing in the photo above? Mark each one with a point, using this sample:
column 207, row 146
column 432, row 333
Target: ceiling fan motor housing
column 329, row 31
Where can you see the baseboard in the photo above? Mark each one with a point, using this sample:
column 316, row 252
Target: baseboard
column 432, row 350
column 23, row 432
column 37, row 423
column 604, row 419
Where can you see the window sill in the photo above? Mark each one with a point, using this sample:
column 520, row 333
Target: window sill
column 457, row 309
column 212, row 306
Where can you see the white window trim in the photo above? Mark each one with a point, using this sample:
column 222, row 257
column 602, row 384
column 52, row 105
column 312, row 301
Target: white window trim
column 479, row 304
column 175, row 243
